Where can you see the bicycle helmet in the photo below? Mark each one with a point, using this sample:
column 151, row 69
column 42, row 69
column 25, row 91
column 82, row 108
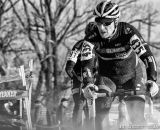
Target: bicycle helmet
column 106, row 11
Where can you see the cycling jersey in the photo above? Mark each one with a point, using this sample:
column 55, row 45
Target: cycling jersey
column 73, row 64
column 117, row 56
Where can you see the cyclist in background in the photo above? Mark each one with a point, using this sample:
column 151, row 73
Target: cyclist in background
column 74, row 71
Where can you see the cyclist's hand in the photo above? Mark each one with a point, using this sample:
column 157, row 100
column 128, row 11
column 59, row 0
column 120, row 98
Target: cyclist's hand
column 70, row 72
column 88, row 91
column 152, row 87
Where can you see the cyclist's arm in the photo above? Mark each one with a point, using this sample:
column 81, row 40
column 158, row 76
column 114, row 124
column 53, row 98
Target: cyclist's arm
column 69, row 68
column 72, row 59
column 143, row 51
column 87, row 60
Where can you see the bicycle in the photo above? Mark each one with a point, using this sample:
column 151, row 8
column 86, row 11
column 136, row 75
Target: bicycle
column 120, row 92
column 92, row 107
column 91, row 102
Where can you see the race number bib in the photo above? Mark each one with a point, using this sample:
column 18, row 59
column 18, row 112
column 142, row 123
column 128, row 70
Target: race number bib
column 73, row 56
column 87, row 51
column 137, row 45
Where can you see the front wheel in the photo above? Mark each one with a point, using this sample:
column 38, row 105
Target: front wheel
column 136, row 108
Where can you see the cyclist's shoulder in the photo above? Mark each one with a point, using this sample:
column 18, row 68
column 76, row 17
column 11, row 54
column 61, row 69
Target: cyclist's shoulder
column 78, row 44
column 127, row 28
column 88, row 44
column 125, row 25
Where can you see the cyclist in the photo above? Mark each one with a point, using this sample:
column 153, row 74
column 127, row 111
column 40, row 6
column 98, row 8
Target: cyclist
column 118, row 46
column 73, row 69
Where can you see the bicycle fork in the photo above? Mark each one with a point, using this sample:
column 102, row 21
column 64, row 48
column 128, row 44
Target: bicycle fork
column 92, row 113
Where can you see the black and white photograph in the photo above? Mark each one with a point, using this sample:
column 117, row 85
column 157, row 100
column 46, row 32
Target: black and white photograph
column 79, row 65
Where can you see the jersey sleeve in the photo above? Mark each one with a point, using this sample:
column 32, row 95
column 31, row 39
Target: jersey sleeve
column 72, row 58
column 141, row 48
column 87, row 59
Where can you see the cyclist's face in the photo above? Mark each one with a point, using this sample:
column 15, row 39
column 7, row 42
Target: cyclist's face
column 106, row 30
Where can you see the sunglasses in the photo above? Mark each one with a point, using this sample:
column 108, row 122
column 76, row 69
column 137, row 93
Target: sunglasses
column 104, row 21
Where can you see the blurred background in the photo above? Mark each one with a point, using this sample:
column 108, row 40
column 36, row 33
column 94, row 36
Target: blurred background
column 46, row 30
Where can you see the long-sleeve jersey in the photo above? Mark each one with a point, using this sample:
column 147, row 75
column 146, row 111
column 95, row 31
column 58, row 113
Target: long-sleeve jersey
column 73, row 64
column 117, row 57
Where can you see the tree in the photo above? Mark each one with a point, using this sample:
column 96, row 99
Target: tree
column 48, row 24
column 8, row 30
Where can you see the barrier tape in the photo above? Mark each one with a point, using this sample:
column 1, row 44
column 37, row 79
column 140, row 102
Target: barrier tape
column 13, row 94
column 53, row 126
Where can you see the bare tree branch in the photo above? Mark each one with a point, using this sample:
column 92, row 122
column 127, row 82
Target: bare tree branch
column 155, row 45
column 29, row 31
column 21, row 50
column 33, row 5
column 71, row 22
column 4, row 8
column 18, row 16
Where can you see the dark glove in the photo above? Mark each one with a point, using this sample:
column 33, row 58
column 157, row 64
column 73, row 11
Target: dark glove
column 70, row 73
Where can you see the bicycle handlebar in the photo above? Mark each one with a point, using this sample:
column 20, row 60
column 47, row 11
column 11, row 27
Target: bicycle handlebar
column 100, row 94
column 129, row 93
column 123, row 92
